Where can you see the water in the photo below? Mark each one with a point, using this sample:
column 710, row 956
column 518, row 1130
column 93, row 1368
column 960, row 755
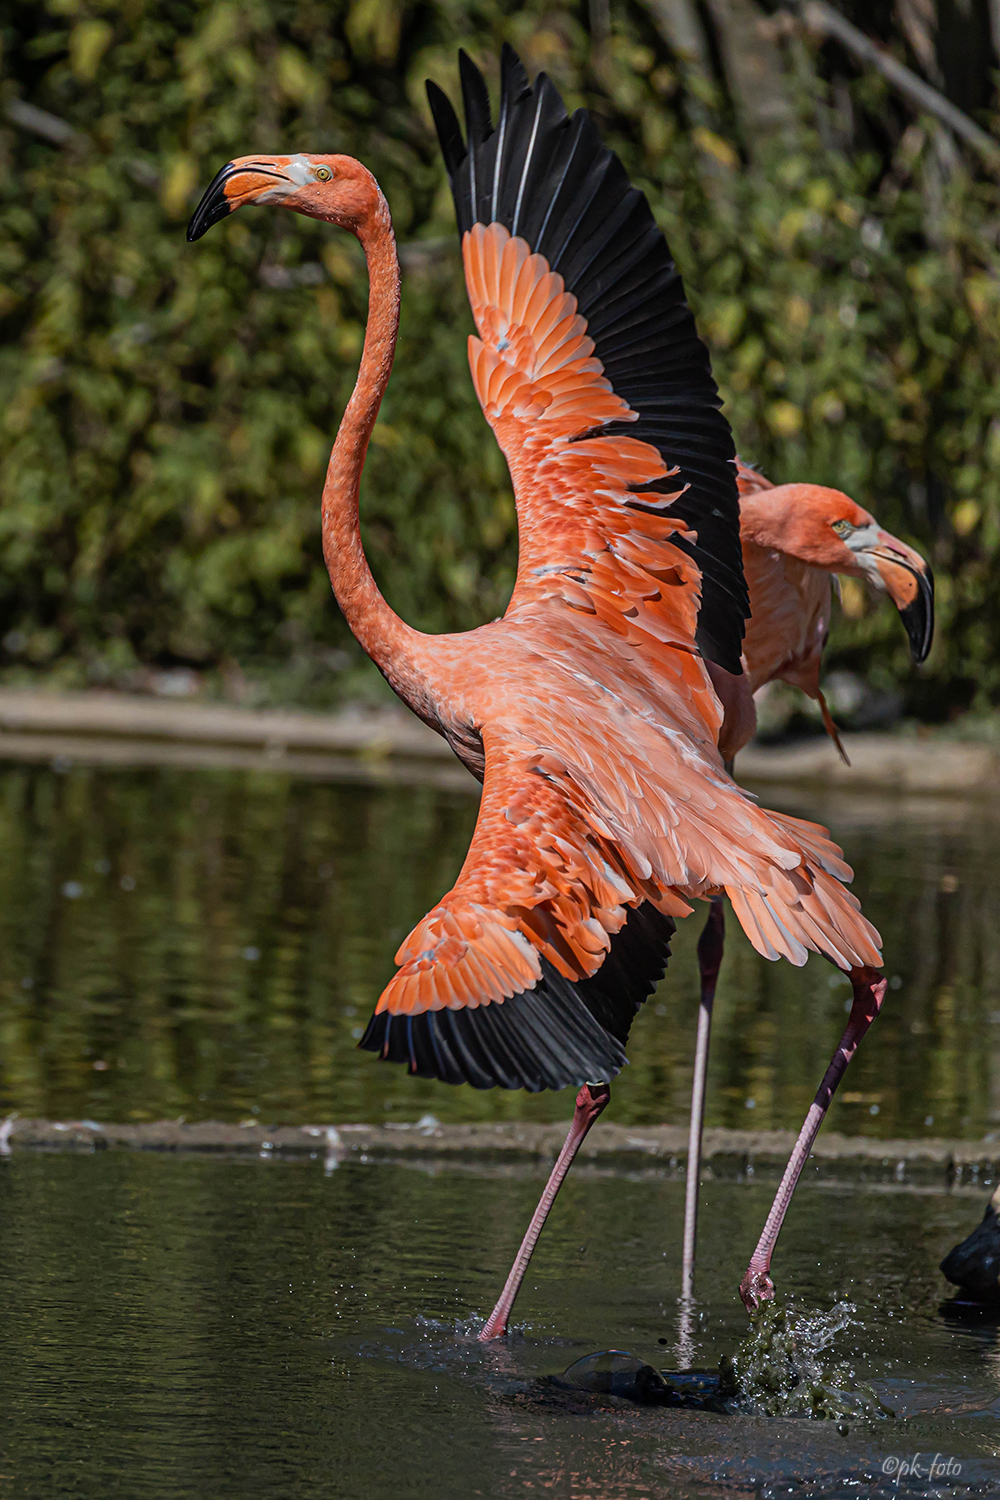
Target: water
column 186, row 1327
column 210, row 944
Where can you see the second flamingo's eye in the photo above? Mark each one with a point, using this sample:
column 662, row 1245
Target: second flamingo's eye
column 843, row 528
column 323, row 174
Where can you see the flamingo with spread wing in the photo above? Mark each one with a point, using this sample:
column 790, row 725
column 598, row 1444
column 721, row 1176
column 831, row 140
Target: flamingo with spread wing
column 588, row 711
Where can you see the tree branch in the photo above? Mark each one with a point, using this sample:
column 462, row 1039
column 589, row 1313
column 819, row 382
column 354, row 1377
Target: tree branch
column 820, row 17
column 61, row 133
column 40, row 122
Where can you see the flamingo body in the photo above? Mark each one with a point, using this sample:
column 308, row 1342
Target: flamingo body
column 795, row 538
column 588, row 711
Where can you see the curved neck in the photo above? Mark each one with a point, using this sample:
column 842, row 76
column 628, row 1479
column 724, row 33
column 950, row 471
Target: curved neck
column 385, row 637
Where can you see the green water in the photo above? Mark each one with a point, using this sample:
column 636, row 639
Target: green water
column 178, row 1328
column 210, row 944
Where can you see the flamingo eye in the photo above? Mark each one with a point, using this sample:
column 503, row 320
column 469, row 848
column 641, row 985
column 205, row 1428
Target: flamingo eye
column 843, row 528
column 323, row 174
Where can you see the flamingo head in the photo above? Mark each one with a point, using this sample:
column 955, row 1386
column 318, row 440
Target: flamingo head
column 825, row 528
column 337, row 189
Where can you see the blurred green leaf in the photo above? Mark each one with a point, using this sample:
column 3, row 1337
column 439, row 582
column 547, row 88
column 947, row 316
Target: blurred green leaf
column 166, row 410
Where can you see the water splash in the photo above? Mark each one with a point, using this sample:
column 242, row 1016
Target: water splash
column 786, row 1366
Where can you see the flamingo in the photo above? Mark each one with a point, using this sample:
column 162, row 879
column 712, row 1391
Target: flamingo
column 795, row 537
column 587, row 711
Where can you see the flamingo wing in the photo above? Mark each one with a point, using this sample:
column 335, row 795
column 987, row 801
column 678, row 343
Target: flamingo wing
column 591, row 373
column 529, row 972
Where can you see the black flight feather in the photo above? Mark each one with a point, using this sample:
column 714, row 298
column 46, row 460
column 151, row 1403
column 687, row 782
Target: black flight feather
column 551, row 180
column 561, row 1034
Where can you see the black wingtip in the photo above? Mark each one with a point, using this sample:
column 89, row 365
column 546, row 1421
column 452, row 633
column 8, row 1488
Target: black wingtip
column 449, row 131
column 560, row 1034
column 514, row 80
column 476, row 100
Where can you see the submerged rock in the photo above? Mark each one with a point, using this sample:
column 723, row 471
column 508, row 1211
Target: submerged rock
column 785, row 1367
column 623, row 1376
column 614, row 1372
column 974, row 1265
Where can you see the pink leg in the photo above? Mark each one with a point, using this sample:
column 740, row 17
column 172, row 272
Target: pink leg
column 869, row 992
column 590, row 1101
column 709, row 962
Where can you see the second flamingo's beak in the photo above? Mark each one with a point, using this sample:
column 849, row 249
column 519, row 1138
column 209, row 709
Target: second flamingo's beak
column 909, row 582
column 239, row 182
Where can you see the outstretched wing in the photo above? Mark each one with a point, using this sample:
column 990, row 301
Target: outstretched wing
column 529, row 972
column 591, row 373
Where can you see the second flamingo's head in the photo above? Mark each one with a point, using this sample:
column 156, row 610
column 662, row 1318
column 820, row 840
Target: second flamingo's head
column 826, row 528
column 337, row 189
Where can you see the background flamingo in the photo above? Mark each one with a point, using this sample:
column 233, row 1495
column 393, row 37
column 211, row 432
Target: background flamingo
column 795, row 537
column 587, row 711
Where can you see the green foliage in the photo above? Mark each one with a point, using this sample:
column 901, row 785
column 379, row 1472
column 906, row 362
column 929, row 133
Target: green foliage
column 166, row 410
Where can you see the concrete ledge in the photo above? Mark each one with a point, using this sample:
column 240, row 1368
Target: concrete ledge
column 905, row 766
column 120, row 729
column 387, row 731
column 729, row 1154
column 391, row 744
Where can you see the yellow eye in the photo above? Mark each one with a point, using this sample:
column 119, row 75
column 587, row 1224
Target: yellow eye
column 843, row 528
column 323, row 174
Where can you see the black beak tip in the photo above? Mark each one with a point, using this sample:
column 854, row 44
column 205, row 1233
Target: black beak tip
column 918, row 617
column 213, row 206
column 207, row 213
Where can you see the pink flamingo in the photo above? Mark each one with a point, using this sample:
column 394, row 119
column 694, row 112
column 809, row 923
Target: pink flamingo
column 588, row 711
column 795, row 537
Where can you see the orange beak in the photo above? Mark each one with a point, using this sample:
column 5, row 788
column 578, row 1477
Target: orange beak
column 239, row 182
column 909, row 582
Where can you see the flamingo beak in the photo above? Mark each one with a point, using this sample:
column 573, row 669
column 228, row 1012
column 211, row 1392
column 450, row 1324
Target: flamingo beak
column 907, row 578
column 239, row 182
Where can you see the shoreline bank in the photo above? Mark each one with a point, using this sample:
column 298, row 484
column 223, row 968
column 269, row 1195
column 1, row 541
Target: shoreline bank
column 729, row 1155
column 390, row 744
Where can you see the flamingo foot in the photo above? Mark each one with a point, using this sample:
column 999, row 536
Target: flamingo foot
column 756, row 1288
column 495, row 1326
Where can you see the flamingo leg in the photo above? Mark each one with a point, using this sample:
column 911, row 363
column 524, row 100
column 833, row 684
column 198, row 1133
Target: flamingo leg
column 590, row 1102
column 869, row 992
column 710, row 946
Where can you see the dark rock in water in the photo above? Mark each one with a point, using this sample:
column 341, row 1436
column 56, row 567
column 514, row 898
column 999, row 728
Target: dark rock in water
column 974, row 1265
column 784, row 1368
column 626, row 1377
column 613, row 1372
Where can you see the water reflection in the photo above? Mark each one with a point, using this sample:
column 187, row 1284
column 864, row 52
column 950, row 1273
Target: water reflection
column 209, row 943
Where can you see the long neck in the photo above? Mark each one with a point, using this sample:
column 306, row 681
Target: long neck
column 386, row 638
